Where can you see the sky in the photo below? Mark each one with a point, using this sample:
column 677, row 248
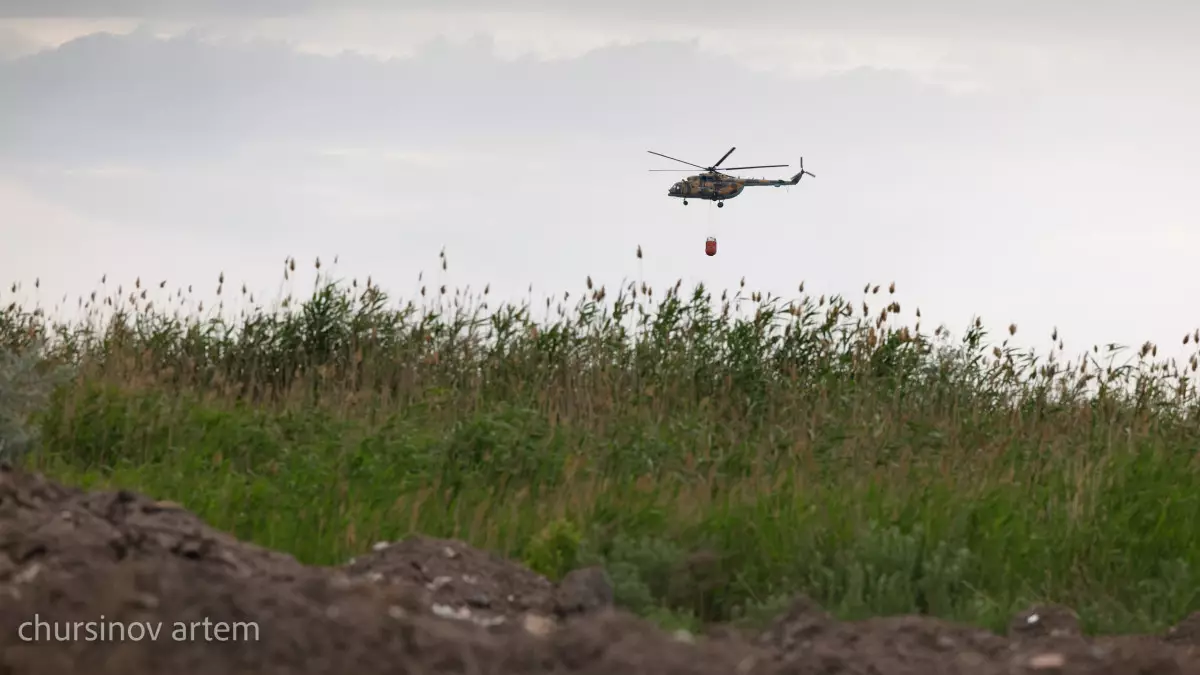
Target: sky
column 1028, row 162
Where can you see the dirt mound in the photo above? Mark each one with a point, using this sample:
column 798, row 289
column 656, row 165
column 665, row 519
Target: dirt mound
column 461, row 579
column 807, row 640
column 467, row 583
column 115, row 582
column 1044, row 639
column 59, row 530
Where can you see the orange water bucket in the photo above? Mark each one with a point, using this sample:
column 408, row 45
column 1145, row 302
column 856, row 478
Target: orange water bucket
column 710, row 246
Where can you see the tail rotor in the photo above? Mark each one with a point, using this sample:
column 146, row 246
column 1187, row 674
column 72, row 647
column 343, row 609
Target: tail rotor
column 803, row 172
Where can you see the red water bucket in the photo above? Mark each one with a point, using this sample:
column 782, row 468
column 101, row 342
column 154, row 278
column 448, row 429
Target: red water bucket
column 710, row 246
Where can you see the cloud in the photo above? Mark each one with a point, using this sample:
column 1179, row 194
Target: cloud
column 184, row 100
column 1136, row 18
column 962, row 45
column 141, row 99
column 153, row 8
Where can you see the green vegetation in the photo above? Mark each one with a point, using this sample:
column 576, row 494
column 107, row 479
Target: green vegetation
column 715, row 461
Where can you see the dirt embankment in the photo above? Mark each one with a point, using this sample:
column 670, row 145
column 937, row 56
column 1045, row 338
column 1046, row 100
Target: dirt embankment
column 124, row 562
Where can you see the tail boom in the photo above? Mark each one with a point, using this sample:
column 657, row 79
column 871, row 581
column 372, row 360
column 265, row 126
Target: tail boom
column 779, row 183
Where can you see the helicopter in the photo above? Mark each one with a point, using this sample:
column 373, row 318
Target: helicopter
column 718, row 186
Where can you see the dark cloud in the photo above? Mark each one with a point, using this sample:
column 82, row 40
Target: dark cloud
column 138, row 98
column 1118, row 19
column 155, row 8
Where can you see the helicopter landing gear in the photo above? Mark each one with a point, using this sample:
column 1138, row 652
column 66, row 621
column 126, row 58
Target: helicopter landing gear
column 720, row 205
column 685, row 202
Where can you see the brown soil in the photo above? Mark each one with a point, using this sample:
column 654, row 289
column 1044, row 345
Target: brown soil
column 433, row 606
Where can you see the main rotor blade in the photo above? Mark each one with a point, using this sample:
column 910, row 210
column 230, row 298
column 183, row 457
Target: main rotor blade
column 683, row 170
column 678, row 160
column 723, row 157
column 761, row 166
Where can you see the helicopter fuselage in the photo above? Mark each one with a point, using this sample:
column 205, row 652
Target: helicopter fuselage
column 704, row 187
column 718, row 188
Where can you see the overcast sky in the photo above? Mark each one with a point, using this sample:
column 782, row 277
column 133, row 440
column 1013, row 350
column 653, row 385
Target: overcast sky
column 1027, row 161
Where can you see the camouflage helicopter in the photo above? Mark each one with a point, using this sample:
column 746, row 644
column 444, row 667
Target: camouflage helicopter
column 718, row 186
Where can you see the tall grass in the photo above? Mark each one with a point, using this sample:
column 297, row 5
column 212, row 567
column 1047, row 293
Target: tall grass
column 716, row 461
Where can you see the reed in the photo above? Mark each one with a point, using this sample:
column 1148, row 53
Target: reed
column 715, row 460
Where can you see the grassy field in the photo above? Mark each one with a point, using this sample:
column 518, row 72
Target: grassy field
column 715, row 461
